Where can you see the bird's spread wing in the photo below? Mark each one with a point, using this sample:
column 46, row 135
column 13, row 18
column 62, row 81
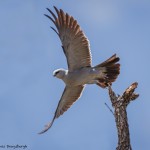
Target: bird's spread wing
column 74, row 43
column 69, row 96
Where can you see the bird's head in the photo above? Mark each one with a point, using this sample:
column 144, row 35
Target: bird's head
column 59, row 73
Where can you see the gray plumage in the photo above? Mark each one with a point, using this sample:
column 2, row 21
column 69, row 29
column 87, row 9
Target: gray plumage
column 80, row 71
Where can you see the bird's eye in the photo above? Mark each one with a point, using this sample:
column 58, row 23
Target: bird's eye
column 56, row 73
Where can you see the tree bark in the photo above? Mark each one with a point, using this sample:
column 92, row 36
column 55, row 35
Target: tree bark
column 120, row 104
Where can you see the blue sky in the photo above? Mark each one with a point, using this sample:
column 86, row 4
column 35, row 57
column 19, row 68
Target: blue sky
column 30, row 51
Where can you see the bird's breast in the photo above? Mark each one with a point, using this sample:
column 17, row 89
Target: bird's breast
column 79, row 77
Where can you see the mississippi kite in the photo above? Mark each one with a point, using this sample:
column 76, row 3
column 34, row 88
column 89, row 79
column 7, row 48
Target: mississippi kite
column 80, row 70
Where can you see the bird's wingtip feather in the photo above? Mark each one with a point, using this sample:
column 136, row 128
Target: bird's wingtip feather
column 46, row 128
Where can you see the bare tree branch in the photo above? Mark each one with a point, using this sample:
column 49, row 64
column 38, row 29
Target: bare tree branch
column 109, row 108
column 120, row 104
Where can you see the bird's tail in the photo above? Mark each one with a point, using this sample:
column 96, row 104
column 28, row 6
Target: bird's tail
column 109, row 71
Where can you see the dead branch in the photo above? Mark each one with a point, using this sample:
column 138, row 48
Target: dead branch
column 120, row 104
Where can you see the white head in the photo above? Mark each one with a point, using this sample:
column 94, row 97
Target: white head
column 60, row 73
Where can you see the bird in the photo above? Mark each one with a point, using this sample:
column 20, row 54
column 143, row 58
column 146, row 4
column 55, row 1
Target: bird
column 76, row 48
